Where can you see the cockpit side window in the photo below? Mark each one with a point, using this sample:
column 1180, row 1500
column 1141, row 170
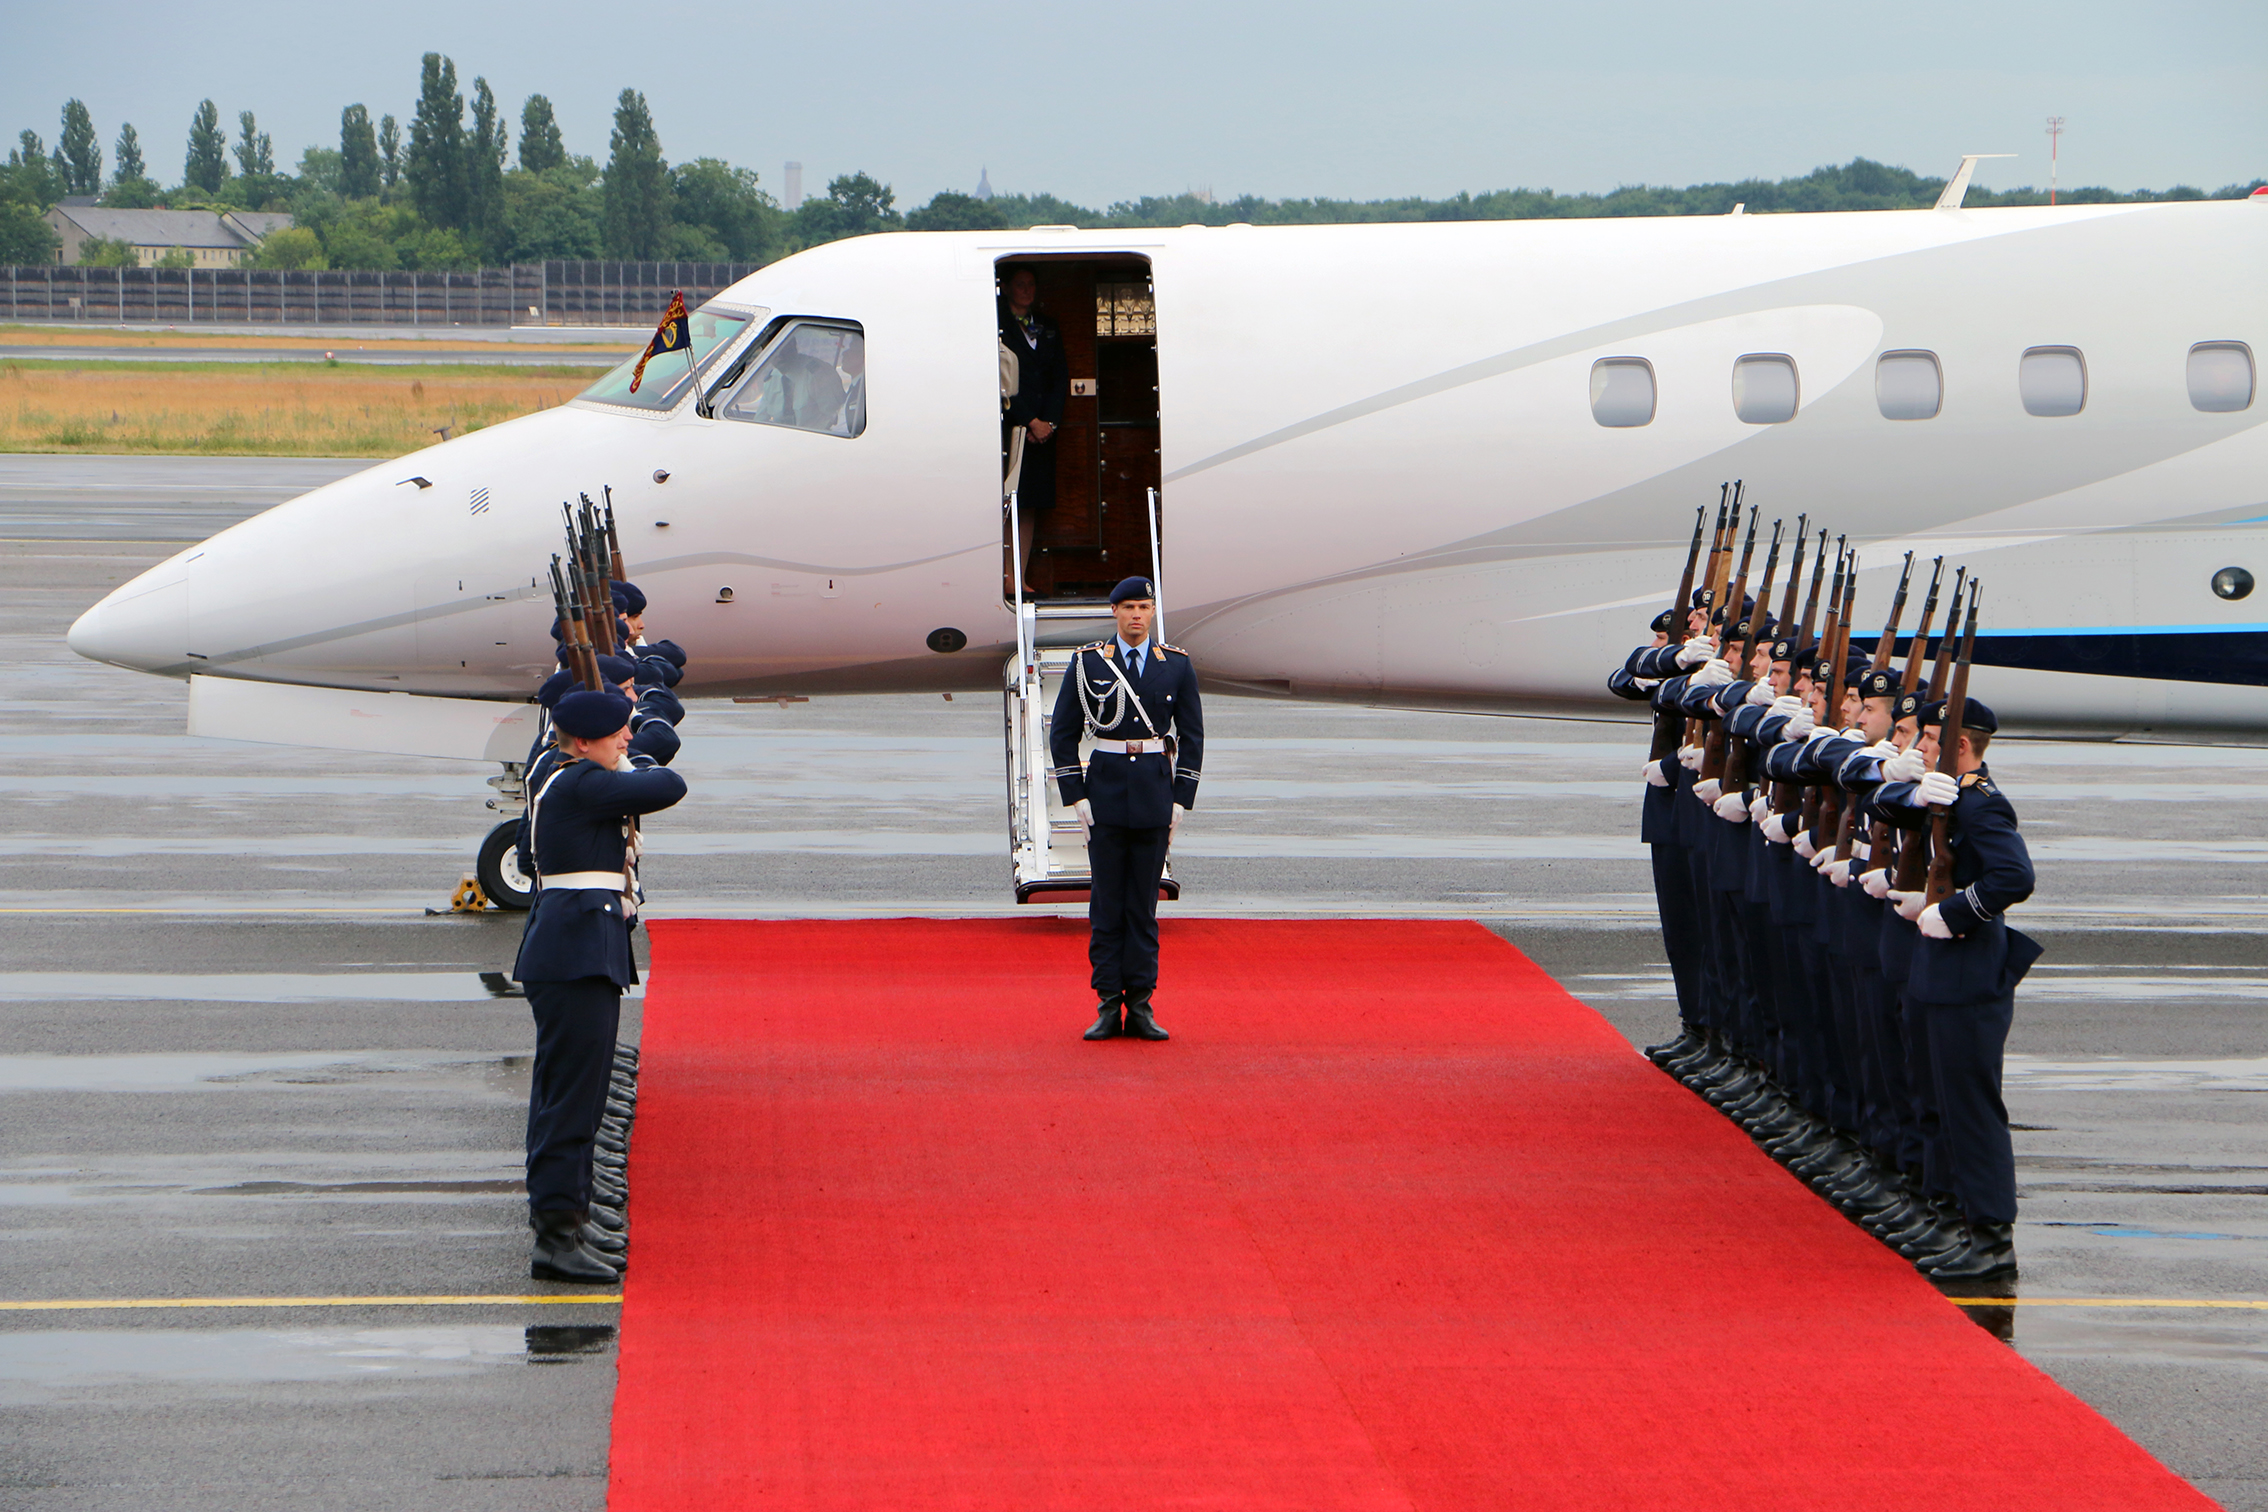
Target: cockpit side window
column 667, row 376
column 811, row 376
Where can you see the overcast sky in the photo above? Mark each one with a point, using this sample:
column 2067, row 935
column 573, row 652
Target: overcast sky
column 1100, row 102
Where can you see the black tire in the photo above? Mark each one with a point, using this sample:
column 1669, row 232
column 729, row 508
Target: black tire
column 499, row 868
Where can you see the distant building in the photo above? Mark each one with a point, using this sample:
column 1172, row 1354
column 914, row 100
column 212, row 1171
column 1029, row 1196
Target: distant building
column 984, row 183
column 793, row 185
column 213, row 239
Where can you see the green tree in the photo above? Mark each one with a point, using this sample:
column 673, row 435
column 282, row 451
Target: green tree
column 637, row 184
column 255, row 152
column 292, row 247
column 485, row 149
column 727, row 211
column 31, row 177
column 855, row 205
column 389, row 152
column 358, row 154
column 103, row 252
column 554, row 214
column 320, row 169
column 540, row 146
column 175, row 260
column 78, row 152
column 435, row 168
column 131, row 194
column 129, row 154
column 207, row 163
column 949, row 211
column 25, row 239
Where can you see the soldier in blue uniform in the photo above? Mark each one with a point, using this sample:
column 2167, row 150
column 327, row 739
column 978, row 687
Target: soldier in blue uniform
column 1138, row 698
column 575, row 960
column 1963, row 977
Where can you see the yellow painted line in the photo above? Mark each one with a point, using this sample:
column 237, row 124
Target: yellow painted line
column 2107, row 1302
column 126, row 1304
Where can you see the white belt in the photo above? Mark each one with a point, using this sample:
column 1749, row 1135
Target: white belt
column 1131, row 747
column 611, row 881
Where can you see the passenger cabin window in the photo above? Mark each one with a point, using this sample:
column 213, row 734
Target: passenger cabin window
column 1622, row 391
column 668, row 376
column 1908, row 385
column 1764, row 389
column 2220, row 377
column 2053, row 381
column 810, row 377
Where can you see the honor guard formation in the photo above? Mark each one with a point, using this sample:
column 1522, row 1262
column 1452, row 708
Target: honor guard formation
column 1137, row 698
column 600, row 761
column 1833, row 863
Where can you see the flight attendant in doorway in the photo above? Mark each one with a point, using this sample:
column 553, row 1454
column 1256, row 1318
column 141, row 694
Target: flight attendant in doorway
column 1036, row 408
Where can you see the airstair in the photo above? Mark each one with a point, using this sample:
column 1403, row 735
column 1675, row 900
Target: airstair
column 1047, row 855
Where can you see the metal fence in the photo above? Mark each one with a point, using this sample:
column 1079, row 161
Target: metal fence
column 547, row 293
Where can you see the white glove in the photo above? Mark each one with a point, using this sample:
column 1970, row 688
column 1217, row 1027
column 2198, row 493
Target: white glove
column 1804, row 847
column 1760, row 808
column 1788, row 703
column 1709, row 791
column 1933, row 924
column 1173, row 825
column 1800, row 724
column 1877, row 882
column 1881, row 750
column 1654, row 775
column 1820, row 732
column 1909, row 904
column 1906, row 766
column 1759, row 692
column 1689, row 757
column 1939, row 788
column 1774, row 828
column 1840, row 873
column 1696, row 651
column 1823, row 860
column 1086, row 813
column 1714, row 675
column 1732, row 808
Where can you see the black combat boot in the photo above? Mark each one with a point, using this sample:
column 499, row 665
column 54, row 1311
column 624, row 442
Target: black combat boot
column 1688, row 1040
column 1141, row 1023
column 1106, row 1018
column 560, row 1254
column 1989, row 1255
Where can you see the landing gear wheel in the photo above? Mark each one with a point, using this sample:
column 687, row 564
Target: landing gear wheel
column 499, row 870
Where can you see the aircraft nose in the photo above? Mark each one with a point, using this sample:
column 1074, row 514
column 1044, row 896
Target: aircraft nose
column 143, row 625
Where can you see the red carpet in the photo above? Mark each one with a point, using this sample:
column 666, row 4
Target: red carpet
column 1393, row 1222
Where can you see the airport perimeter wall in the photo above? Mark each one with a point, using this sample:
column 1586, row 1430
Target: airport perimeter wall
column 546, row 293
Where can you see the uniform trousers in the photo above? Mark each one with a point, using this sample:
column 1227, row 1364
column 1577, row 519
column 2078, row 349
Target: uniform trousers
column 1965, row 1048
column 1122, row 908
column 1681, row 928
column 574, row 1061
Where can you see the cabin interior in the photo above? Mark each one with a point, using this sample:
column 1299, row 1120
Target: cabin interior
column 1107, row 447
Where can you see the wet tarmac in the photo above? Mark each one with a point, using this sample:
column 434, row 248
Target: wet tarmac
column 240, row 1060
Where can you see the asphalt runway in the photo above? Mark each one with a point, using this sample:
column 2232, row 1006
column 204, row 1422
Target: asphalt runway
column 345, row 352
column 240, row 1059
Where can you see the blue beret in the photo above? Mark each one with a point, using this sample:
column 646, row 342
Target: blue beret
column 627, row 599
column 617, row 669
column 556, row 687
column 588, row 716
column 669, row 651
column 1879, row 684
column 1132, row 588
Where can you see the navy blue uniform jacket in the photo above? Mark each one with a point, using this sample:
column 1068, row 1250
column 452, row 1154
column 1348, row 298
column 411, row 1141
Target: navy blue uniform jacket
column 1992, row 872
column 577, row 821
column 1136, row 791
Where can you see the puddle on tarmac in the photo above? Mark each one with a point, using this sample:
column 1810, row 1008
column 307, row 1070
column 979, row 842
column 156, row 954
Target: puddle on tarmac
column 2027, row 1073
column 37, row 1362
column 254, row 987
column 233, row 1070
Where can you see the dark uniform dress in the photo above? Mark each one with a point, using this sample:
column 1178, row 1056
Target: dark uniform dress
column 575, row 959
column 1043, row 387
column 1967, row 987
column 1133, row 793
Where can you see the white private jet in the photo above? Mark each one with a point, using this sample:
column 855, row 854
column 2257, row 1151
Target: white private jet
column 1438, row 465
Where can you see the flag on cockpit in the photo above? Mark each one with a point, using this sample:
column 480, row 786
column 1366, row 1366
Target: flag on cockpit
column 674, row 334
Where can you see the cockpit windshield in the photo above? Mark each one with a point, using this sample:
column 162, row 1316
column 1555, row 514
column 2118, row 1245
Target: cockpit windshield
column 666, row 377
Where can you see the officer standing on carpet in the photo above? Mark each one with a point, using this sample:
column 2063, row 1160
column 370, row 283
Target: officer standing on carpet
column 1138, row 699
column 575, row 960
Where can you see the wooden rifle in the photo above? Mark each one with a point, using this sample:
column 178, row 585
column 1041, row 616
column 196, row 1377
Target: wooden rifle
column 1913, row 849
column 583, row 550
column 1666, row 724
column 1882, row 839
column 1736, row 751
column 1831, row 798
column 575, row 634
column 1713, row 757
column 1825, row 673
column 1786, row 795
column 1846, row 829
column 1720, row 551
column 613, row 538
column 1949, row 759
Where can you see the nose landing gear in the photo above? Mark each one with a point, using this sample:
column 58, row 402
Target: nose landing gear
column 499, row 870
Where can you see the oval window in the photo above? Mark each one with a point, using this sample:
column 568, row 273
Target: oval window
column 2220, row 377
column 1908, row 385
column 1622, row 391
column 1764, row 389
column 2053, row 381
